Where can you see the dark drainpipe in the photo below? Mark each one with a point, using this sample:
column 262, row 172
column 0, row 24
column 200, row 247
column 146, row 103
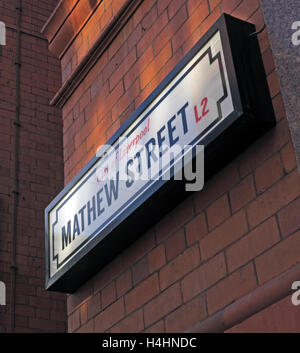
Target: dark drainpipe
column 15, row 190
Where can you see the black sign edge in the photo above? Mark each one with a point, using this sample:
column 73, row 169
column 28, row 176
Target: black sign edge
column 219, row 25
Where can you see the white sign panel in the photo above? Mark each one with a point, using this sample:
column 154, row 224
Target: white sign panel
column 196, row 100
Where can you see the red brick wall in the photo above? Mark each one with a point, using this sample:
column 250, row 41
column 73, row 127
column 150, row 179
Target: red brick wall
column 281, row 317
column 40, row 167
column 85, row 37
column 240, row 231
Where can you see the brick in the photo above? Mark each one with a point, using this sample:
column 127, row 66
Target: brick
column 174, row 220
column 131, row 324
column 278, row 259
column 289, row 220
column 67, row 121
column 94, row 106
column 162, row 5
column 246, row 9
column 145, row 92
column 112, row 129
column 87, row 327
column 196, row 229
column 143, row 10
column 141, row 64
column 25, row 310
column 119, row 40
column 279, row 108
column 109, row 316
column 151, row 33
column 253, row 244
column 96, row 86
column 124, row 283
column 186, row 316
column 139, row 248
column 108, row 295
column 94, row 305
column 127, row 99
column 263, row 41
column 175, row 244
column 240, row 283
column 162, row 305
column 74, row 300
column 174, row 6
column 41, row 302
column 26, row 289
column 274, row 85
column 257, row 18
column 152, row 69
column 203, row 277
column 264, row 148
column 168, row 32
column 32, row 322
column 214, row 3
column 110, row 272
column 268, row 173
column 142, row 293
column 288, row 158
column 135, row 36
column 242, row 194
column 277, row 197
column 58, row 315
column 83, row 313
column 116, row 6
column 165, row 70
column 216, row 187
column 39, row 324
column 88, row 127
column 140, row 271
column 122, row 69
column 225, row 234
column 127, row 113
column 149, row 19
column 190, row 25
column 23, row 330
column 113, row 97
column 268, row 61
column 179, row 267
column 192, row 5
column 74, row 321
column 218, row 212
column 281, row 317
column 158, row 327
column 43, row 314
column 191, row 41
column 108, row 14
column 210, row 20
column 96, row 138
column 157, row 258
column 84, row 101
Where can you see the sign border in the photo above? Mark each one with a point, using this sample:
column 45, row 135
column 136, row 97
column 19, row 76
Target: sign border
column 192, row 143
column 241, row 103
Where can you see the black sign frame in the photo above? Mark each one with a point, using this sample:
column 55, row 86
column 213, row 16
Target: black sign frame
column 253, row 115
